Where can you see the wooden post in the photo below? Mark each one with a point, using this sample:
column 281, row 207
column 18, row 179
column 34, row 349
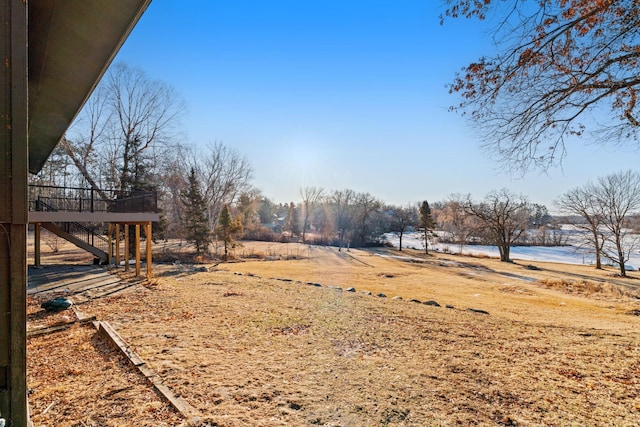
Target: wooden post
column 36, row 244
column 110, row 244
column 137, row 250
column 126, row 247
column 117, row 245
column 149, row 257
column 14, row 219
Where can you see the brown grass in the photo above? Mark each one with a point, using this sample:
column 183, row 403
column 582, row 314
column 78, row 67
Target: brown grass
column 76, row 379
column 603, row 290
column 257, row 343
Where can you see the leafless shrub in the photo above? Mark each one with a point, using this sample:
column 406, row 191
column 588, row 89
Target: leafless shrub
column 53, row 242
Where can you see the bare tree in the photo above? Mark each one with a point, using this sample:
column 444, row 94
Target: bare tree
column 558, row 62
column 57, row 170
column 402, row 218
column 128, row 116
column 504, row 216
column 85, row 142
column 618, row 196
column 341, row 202
column 325, row 220
column 455, row 220
column 224, row 174
column 171, row 179
column 582, row 201
column 365, row 205
column 310, row 197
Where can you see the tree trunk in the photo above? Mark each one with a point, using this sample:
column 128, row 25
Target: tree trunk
column 426, row 242
column 623, row 271
column 596, row 241
column 83, row 170
column 596, row 244
column 504, row 249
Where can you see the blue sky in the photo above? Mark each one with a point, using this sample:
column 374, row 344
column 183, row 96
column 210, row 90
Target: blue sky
column 338, row 94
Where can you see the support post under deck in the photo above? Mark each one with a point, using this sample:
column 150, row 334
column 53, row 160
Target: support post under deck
column 126, row 247
column 117, row 245
column 36, row 244
column 147, row 232
column 13, row 212
column 137, row 249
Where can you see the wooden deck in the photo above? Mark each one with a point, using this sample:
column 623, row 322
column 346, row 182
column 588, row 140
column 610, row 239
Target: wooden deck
column 82, row 282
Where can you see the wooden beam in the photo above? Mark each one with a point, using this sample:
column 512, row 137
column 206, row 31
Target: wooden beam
column 181, row 405
column 117, row 245
column 126, row 247
column 13, row 212
column 18, row 390
column 36, row 244
column 113, row 217
column 137, row 249
column 148, row 232
column 110, row 244
column 60, row 326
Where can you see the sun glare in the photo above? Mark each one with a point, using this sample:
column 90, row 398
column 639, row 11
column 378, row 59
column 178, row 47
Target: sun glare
column 306, row 163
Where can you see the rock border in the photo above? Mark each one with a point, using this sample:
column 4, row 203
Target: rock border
column 431, row 303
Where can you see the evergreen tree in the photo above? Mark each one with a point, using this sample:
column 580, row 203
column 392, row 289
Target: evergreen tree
column 195, row 220
column 426, row 224
column 227, row 229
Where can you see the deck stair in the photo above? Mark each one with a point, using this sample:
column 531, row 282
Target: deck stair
column 81, row 243
column 74, row 232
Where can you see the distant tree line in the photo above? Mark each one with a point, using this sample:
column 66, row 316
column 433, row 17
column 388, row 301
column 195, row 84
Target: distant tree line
column 127, row 139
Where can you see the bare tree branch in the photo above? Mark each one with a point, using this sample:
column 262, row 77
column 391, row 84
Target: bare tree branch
column 559, row 62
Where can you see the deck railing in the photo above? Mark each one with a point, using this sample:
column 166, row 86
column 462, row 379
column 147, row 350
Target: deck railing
column 77, row 199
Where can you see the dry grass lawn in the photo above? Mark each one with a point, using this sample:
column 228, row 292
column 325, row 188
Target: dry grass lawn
column 258, row 343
